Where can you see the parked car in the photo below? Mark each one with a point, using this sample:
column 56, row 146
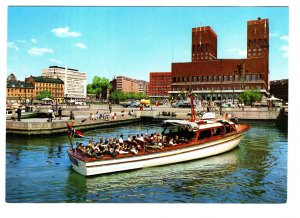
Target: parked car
column 227, row 105
column 130, row 103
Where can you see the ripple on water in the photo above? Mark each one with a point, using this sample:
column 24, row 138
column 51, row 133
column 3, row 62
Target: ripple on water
column 38, row 170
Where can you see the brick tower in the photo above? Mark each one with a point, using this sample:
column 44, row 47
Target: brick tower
column 204, row 44
column 258, row 38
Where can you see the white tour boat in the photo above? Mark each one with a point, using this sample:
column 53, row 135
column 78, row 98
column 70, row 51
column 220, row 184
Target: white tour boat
column 201, row 139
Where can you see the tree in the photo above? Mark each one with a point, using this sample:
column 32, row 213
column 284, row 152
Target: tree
column 118, row 96
column 99, row 86
column 248, row 97
column 43, row 94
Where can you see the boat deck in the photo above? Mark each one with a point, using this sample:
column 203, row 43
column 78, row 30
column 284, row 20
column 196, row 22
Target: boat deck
column 77, row 154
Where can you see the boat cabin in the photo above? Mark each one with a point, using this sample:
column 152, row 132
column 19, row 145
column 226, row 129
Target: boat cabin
column 202, row 131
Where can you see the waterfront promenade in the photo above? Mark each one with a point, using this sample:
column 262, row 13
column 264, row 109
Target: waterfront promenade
column 120, row 116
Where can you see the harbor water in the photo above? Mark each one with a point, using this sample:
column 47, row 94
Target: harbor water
column 38, row 170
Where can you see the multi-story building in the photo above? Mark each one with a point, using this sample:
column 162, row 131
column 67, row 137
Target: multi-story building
column 143, row 86
column 160, row 84
column 210, row 77
column 75, row 82
column 125, row 84
column 53, row 85
column 18, row 91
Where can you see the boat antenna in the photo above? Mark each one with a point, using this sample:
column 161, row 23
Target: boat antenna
column 193, row 116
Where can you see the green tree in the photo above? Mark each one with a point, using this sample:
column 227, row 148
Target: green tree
column 43, row 94
column 99, row 86
column 248, row 97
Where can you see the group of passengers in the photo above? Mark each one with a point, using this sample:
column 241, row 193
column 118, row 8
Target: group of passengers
column 133, row 144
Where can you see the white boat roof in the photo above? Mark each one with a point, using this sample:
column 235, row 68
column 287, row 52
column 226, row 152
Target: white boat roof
column 192, row 125
column 195, row 126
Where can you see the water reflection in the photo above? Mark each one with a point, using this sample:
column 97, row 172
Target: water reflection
column 183, row 179
column 38, row 170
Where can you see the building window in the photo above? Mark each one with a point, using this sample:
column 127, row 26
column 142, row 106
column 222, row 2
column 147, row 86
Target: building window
column 249, row 43
column 183, row 79
column 225, row 78
column 236, row 77
column 188, row 79
column 220, row 78
column 242, row 78
column 198, row 78
column 203, row 78
column 214, row 78
column 253, row 77
column 174, row 79
column 230, row 78
column 208, row 78
column 247, row 77
column 178, row 79
column 258, row 87
column 259, row 77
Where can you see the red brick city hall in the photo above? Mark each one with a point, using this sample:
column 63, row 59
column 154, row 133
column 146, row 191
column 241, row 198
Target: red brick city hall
column 210, row 77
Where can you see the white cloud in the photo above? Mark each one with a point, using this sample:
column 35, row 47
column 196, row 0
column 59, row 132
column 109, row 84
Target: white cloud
column 273, row 34
column 39, row 51
column 284, row 38
column 236, row 49
column 64, row 32
column 242, row 53
column 285, row 51
column 13, row 46
column 33, row 40
column 21, row 41
column 80, row 45
column 56, row 61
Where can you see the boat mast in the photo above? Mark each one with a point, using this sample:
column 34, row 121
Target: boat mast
column 193, row 115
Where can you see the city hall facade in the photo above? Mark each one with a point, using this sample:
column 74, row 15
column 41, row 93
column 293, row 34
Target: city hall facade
column 210, row 78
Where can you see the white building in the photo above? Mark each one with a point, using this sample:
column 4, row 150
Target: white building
column 75, row 81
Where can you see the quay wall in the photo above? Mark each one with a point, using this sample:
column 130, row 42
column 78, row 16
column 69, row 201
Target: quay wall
column 45, row 128
column 245, row 115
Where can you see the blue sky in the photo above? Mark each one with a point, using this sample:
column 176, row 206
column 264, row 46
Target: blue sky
column 132, row 41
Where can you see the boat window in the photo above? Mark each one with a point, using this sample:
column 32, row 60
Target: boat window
column 227, row 128
column 204, row 134
column 217, row 131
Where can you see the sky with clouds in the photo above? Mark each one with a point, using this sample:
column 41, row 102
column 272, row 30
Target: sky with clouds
column 132, row 41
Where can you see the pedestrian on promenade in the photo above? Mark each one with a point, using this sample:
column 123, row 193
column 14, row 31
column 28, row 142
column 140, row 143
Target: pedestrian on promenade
column 13, row 114
column 19, row 113
column 59, row 113
column 72, row 117
column 109, row 107
column 50, row 111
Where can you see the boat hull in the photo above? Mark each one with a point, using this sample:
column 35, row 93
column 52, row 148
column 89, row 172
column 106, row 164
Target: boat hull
column 155, row 159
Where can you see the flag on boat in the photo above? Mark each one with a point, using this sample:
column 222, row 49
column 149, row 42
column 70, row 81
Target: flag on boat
column 72, row 132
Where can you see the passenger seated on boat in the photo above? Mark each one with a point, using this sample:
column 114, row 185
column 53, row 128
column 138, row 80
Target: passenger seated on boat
column 121, row 141
column 101, row 141
column 91, row 144
column 141, row 141
column 79, row 147
column 181, row 140
column 120, row 150
column 133, row 149
column 171, row 142
column 106, row 141
column 129, row 139
column 156, row 145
